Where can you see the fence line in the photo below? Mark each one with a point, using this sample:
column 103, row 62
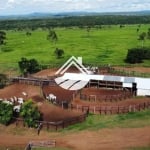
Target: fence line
column 106, row 98
column 111, row 109
column 127, row 73
column 34, row 81
column 55, row 125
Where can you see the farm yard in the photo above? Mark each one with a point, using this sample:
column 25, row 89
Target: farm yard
column 102, row 115
column 125, row 123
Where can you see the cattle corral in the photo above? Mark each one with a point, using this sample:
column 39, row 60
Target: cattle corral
column 98, row 97
column 109, row 98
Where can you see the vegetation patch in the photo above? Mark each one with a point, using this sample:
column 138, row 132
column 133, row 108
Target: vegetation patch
column 130, row 120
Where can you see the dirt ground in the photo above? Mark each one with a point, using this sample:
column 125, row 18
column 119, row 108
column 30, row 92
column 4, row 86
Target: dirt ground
column 50, row 112
column 103, row 139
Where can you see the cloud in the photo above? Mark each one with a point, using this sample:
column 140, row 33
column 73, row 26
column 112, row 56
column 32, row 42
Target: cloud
column 29, row 6
column 11, row 1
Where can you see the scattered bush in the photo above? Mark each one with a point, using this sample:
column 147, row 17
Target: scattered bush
column 3, row 80
column 59, row 52
column 30, row 113
column 6, row 113
column 28, row 66
column 137, row 55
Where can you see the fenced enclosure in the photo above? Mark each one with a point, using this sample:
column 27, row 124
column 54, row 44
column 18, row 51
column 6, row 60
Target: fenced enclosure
column 111, row 109
column 55, row 125
column 106, row 98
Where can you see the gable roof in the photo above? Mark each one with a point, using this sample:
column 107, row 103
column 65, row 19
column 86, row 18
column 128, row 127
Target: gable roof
column 72, row 61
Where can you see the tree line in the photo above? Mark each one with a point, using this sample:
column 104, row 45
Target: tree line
column 80, row 21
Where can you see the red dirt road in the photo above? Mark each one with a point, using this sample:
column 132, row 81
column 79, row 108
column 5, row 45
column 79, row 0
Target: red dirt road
column 116, row 138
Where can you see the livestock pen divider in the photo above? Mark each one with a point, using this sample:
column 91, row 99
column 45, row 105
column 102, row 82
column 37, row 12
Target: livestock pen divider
column 111, row 109
column 55, row 125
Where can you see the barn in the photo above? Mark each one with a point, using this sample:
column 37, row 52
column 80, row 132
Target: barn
column 76, row 81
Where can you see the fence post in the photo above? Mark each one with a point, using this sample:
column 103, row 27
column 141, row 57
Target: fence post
column 94, row 109
column 105, row 110
column 56, row 126
column 118, row 110
column 130, row 108
column 47, row 126
column 63, row 123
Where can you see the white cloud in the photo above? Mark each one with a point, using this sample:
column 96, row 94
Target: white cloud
column 28, row 6
column 11, row 1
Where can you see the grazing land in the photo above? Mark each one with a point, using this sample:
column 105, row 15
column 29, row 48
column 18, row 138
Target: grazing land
column 99, row 46
column 108, row 45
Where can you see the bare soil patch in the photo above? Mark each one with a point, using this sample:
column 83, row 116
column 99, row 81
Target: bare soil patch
column 17, row 89
column 114, row 139
column 54, row 113
column 60, row 93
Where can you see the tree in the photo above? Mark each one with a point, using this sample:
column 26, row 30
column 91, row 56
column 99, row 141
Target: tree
column 142, row 37
column 30, row 113
column 59, row 52
column 2, row 37
column 148, row 33
column 6, row 113
column 88, row 29
column 28, row 66
column 28, row 33
column 52, row 36
column 137, row 30
column 136, row 55
column 3, row 80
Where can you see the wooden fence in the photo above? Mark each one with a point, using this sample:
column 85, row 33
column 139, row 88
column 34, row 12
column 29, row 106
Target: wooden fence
column 40, row 144
column 111, row 109
column 55, row 125
column 107, row 98
column 123, row 72
column 34, row 81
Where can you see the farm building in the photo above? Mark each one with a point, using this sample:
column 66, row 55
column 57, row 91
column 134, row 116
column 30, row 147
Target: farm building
column 74, row 81
column 77, row 81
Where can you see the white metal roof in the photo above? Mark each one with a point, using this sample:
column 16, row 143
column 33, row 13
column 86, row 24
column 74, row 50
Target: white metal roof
column 142, row 83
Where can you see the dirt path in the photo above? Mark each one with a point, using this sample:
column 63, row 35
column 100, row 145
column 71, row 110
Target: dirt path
column 117, row 138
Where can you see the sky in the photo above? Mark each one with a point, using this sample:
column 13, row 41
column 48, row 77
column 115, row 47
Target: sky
column 16, row 7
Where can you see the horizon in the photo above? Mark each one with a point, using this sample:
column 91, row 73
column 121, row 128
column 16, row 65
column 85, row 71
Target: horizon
column 55, row 13
column 23, row 7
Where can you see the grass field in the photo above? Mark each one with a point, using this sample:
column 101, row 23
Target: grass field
column 108, row 45
column 130, row 120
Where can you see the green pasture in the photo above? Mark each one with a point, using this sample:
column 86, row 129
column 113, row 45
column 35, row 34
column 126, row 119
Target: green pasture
column 96, row 122
column 108, row 45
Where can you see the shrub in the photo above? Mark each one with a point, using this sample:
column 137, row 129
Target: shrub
column 59, row 52
column 6, row 113
column 137, row 55
column 30, row 113
column 28, row 66
column 3, row 80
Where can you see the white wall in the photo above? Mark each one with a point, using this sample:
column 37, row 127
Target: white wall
column 143, row 92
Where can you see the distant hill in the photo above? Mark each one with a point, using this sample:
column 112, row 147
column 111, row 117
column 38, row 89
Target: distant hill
column 38, row 15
